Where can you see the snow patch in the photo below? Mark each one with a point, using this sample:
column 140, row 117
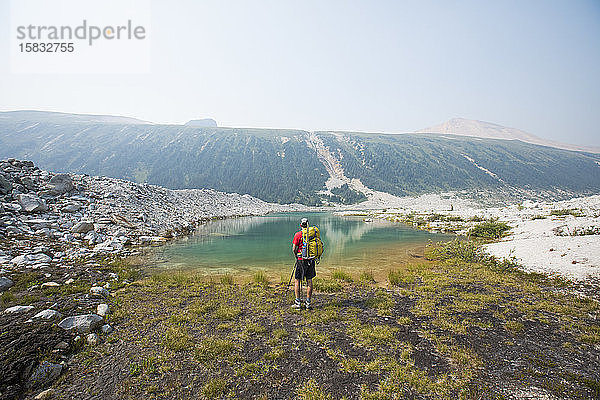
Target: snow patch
column 29, row 127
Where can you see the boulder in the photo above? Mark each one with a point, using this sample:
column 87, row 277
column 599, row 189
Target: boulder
column 31, row 203
column 5, row 284
column 44, row 374
column 20, row 260
column 48, row 315
column 18, row 309
column 31, row 259
column 108, row 246
column 103, row 310
column 71, row 208
column 40, row 258
column 81, row 323
column 5, row 186
column 60, row 184
column 83, row 227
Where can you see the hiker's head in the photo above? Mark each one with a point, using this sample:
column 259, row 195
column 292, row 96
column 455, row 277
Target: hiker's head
column 304, row 222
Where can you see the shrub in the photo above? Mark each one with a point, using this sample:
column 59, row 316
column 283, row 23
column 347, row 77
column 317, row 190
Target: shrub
column 489, row 230
column 566, row 211
column 464, row 250
column 397, row 278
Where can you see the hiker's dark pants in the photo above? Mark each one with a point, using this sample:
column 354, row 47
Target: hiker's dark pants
column 305, row 269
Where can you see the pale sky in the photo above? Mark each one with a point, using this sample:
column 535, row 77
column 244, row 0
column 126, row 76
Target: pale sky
column 387, row 66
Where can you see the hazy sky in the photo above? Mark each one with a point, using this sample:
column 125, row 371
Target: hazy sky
column 390, row 66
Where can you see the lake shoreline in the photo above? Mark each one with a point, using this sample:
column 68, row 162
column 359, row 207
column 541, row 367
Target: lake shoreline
column 561, row 237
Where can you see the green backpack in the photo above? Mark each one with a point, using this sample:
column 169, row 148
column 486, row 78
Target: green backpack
column 313, row 246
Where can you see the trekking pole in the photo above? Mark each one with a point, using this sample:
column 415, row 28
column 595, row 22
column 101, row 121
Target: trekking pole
column 293, row 270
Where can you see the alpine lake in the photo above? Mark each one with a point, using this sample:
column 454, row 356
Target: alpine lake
column 242, row 246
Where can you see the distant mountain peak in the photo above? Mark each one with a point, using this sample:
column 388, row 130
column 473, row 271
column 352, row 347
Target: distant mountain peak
column 202, row 123
column 489, row 130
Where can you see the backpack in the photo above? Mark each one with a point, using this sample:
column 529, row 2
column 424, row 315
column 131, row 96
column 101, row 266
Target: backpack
column 312, row 245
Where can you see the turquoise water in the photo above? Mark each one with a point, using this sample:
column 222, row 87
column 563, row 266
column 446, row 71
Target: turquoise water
column 251, row 243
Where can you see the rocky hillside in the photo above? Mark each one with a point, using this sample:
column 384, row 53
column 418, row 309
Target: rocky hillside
column 287, row 166
column 107, row 213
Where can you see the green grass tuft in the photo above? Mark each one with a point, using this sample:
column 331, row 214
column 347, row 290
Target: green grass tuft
column 311, row 391
column 260, row 278
column 327, row 285
column 489, row 230
column 366, row 276
column 341, row 275
column 214, row 389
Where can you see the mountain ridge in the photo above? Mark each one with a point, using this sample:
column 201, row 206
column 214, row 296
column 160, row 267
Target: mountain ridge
column 296, row 166
column 489, row 130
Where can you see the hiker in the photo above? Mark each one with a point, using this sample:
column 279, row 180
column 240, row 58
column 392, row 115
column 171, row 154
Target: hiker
column 307, row 248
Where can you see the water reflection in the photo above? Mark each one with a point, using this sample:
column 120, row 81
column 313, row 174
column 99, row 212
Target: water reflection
column 264, row 242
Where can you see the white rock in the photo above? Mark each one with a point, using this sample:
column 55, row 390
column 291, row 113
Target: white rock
column 81, row 323
column 39, row 223
column 40, row 258
column 20, row 260
column 50, row 284
column 45, row 395
column 92, row 339
column 102, row 310
column 107, row 329
column 99, row 291
column 18, row 309
column 15, row 207
column 108, row 246
column 69, row 281
column 48, row 314
column 31, row 203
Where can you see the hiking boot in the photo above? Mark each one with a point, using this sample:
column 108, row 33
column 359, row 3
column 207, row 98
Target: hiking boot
column 307, row 304
column 297, row 305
